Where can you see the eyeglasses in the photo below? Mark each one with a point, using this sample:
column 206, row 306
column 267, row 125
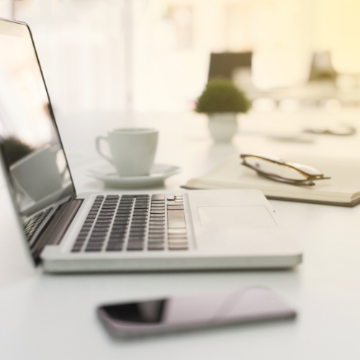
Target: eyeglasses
column 277, row 169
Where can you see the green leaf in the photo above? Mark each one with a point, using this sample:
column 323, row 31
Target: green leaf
column 221, row 95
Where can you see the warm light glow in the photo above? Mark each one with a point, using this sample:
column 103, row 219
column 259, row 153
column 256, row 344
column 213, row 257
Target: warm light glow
column 81, row 45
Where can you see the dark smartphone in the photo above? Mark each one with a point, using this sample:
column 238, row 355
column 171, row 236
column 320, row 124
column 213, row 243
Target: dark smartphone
column 201, row 311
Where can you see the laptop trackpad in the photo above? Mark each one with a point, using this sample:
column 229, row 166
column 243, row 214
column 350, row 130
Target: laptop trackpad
column 235, row 217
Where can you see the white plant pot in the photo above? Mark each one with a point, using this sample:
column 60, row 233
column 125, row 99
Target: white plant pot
column 222, row 126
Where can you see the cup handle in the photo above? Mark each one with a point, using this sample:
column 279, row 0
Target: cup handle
column 98, row 149
column 63, row 172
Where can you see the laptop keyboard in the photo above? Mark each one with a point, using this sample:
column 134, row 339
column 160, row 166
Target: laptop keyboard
column 134, row 223
column 31, row 225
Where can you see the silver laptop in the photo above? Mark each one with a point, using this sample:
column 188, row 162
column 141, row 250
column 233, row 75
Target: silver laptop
column 70, row 232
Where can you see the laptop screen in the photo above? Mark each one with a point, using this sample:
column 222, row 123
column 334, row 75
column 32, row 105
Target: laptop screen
column 34, row 159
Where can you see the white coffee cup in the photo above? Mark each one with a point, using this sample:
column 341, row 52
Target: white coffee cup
column 132, row 150
column 38, row 174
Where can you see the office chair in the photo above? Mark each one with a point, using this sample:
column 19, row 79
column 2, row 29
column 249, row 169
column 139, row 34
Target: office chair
column 223, row 64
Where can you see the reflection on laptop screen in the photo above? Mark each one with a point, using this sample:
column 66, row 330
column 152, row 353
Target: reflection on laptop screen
column 32, row 151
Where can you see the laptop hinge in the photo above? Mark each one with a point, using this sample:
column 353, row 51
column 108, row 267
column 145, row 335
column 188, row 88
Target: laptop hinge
column 55, row 230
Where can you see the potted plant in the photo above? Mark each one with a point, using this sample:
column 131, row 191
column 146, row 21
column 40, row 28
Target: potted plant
column 221, row 101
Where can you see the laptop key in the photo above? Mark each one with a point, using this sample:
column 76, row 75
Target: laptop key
column 101, row 227
column 140, row 230
column 155, row 243
column 94, row 249
column 175, row 207
column 177, row 236
column 96, row 243
column 135, row 248
column 80, row 239
column 157, row 234
column 159, row 240
column 178, row 243
column 157, row 197
column 96, row 240
column 119, row 228
column 78, row 245
column 115, row 245
column 121, row 232
column 103, row 222
column 116, row 239
column 113, row 241
column 97, row 237
column 118, row 232
column 156, row 247
column 100, row 231
column 136, row 242
column 114, row 248
column 176, row 231
column 136, row 238
column 122, row 218
column 178, row 247
column 176, row 219
column 120, row 225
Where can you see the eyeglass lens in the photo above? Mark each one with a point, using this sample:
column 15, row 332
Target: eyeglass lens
column 307, row 169
column 271, row 168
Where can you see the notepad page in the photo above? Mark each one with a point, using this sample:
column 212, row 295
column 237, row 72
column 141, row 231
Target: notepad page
column 344, row 185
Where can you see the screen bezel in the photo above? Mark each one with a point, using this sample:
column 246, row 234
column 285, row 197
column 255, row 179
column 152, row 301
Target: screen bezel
column 3, row 159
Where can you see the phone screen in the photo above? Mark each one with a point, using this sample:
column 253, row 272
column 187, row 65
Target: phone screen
column 180, row 313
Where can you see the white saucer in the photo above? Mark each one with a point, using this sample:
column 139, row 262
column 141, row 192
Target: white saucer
column 108, row 175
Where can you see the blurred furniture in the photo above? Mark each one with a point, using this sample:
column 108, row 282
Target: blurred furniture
column 223, row 64
column 321, row 67
column 236, row 67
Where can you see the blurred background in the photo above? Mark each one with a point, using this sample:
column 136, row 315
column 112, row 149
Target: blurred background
column 157, row 55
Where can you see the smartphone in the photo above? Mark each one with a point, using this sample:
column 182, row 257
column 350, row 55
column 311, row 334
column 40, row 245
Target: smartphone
column 138, row 318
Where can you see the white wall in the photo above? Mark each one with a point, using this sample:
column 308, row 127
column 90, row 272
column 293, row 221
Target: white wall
column 338, row 29
column 80, row 46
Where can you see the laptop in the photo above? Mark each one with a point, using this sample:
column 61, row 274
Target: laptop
column 119, row 231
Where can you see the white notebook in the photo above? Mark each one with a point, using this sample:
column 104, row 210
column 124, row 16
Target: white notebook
column 343, row 189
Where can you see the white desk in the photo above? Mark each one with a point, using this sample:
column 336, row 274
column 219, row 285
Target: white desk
column 52, row 316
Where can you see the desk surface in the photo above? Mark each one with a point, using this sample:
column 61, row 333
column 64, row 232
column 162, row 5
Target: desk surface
column 52, row 316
